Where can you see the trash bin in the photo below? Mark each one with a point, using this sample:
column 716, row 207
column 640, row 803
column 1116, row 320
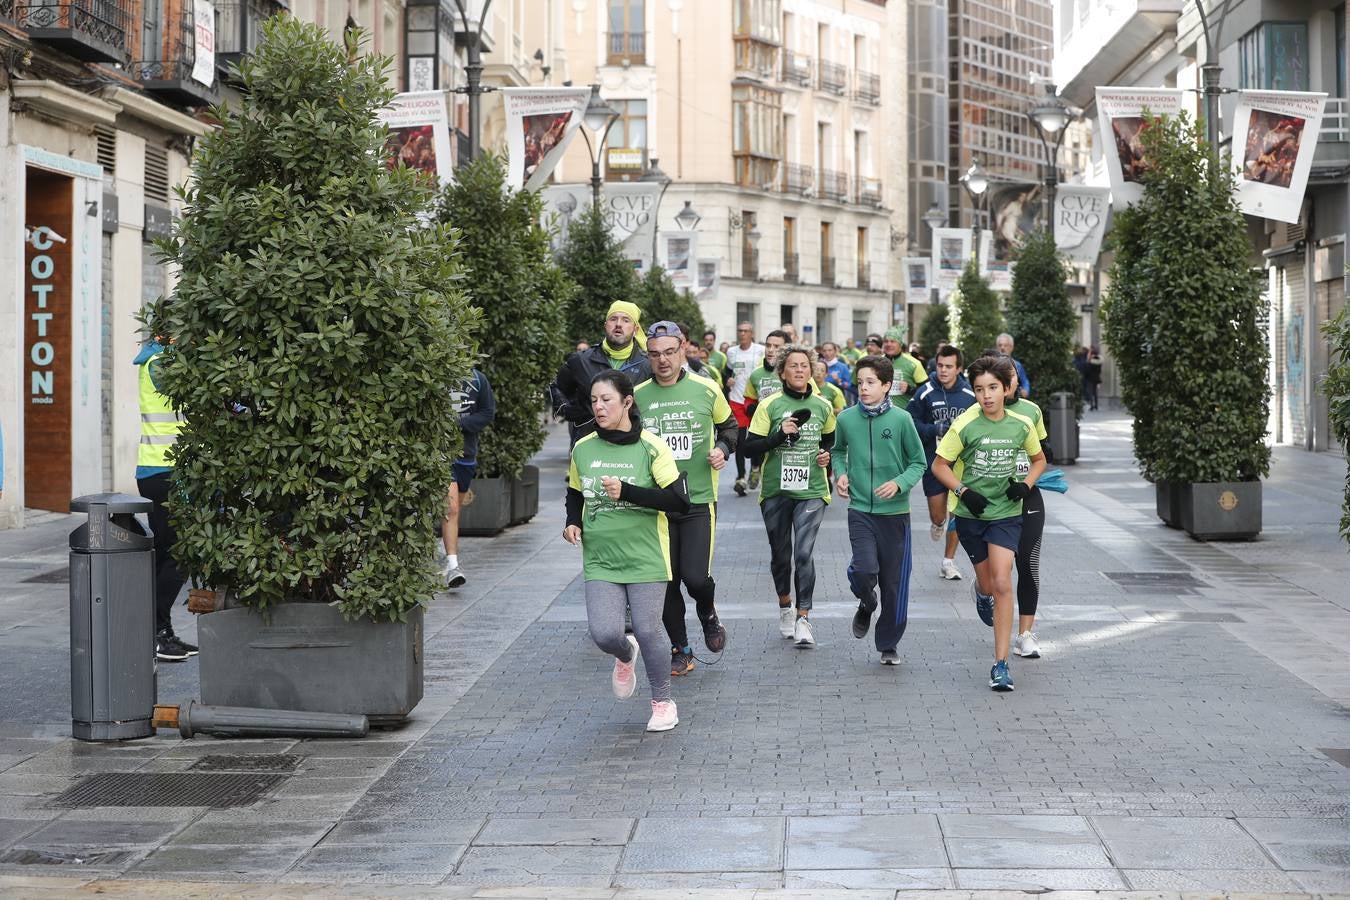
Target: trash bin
column 1063, row 428
column 112, row 620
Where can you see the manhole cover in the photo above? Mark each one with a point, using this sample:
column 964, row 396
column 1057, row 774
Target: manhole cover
column 282, row 763
column 55, row 576
column 1156, row 582
column 1336, row 755
column 64, row 857
column 167, row 789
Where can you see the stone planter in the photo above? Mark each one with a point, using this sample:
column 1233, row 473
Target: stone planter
column 1221, row 511
column 490, row 510
column 525, row 495
column 306, row 656
column 1168, row 503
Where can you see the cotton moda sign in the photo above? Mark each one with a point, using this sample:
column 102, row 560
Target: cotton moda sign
column 540, row 123
column 1278, row 132
column 629, row 209
column 419, row 133
column 951, row 250
column 1122, row 115
column 203, row 42
column 1080, row 221
column 918, row 279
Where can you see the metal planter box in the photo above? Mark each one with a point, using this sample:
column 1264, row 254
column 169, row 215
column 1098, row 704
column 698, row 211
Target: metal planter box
column 306, row 656
column 1168, row 503
column 525, row 495
column 1221, row 511
column 490, row 510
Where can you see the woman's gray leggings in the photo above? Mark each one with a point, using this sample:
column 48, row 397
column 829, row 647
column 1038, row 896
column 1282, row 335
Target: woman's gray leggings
column 604, row 613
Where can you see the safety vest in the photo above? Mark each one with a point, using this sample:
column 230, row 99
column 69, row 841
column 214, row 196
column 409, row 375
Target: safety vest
column 160, row 424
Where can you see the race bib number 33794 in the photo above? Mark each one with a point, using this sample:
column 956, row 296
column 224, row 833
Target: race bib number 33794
column 796, row 472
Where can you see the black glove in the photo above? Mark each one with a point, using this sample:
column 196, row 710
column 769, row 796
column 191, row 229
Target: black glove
column 974, row 501
column 1017, row 490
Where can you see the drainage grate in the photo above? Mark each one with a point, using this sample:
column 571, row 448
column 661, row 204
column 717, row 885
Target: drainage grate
column 171, row 789
column 64, row 858
column 1336, row 755
column 55, row 576
column 1156, row 582
column 281, row 763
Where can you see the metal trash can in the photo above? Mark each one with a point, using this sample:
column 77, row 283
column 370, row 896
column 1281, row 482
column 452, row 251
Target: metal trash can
column 112, row 620
column 1063, row 428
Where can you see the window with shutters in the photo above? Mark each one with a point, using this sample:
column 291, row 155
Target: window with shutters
column 757, row 135
column 156, row 174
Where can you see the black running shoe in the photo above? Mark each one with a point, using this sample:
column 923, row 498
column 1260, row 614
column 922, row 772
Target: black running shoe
column 714, row 635
column 681, row 663
column 168, row 648
column 862, row 620
column 890, row 658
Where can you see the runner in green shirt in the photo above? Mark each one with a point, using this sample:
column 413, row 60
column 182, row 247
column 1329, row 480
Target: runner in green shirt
column 909, row 372
column 1033, row 529
column 761, row 384
column 716, row 358
column 793, row 430
column 690, row 414
column 977, row 458
column 828, row 390
column 621, row 486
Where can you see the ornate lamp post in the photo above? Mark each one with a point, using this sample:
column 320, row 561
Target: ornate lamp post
column 599, row 118
column 473, row 70
column 1050, row 116
column 976, row 183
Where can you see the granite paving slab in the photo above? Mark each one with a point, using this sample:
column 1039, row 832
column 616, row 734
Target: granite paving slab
column 553, row 832
column 864, row 842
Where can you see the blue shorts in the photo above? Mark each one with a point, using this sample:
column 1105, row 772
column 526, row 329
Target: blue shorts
column 463, row 474
column 931, row 486
column 977, row 534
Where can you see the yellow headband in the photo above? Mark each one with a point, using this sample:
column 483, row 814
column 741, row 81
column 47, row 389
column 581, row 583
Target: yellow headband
column 631, row 311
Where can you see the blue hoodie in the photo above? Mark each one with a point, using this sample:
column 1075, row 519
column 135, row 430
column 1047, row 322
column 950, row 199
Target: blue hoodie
column 934, row 408
column 149, row 349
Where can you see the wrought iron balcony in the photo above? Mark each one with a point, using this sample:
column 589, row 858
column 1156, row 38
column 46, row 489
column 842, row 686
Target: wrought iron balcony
column 796, row 68
column 627, row 46
column 750, row 263
column 792, row 268
column 239, row 27
column 867, row 88
column 827, row 271
column 7, row 11
column 798, row 179
column 869, row 192
column 864, row 276
column 92, row 30
column 833, row 78
column 833, row 185
column 171, row 75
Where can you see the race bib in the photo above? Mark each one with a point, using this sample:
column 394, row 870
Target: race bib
column 796, row 471
column 681, row 444
column 1023, row 465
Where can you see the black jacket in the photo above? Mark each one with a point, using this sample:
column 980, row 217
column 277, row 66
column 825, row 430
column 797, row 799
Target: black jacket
column 571, row 389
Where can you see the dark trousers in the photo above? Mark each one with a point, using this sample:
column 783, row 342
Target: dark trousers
column 1029, row 553
column 881, row 555
column 691, row 548
column 792, row 526
column 741, row 456
column 168, row 577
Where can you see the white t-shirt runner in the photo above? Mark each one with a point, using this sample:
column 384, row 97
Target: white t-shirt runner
column 741, row 363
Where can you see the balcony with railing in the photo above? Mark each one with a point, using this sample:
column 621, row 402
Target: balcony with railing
column 1333, row 143
column 91, row 30
column 749, row 263
column 833, row 185
column 7, row 12
column 832, row 77
column 864, row 276
column 169, row 69
column 827, row 271
column 798, row 179
column 796, row 68
column 867, row 87
column 239, row 28
column 626, row 48
column 792, row 268
column 869, row 192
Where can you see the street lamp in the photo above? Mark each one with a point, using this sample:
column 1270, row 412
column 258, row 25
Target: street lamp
column 976, row 183
column 599, row 118
column 1051, row 117
column 654, row 175
column 935, row 218
column 687, row 218
column 473, row 71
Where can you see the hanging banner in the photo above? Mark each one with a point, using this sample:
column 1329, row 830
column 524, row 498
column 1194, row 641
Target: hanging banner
column 996, row 271
column 951, row 251
column 204, row 42
column 419, row 134
column 1016, row 211
column 1120, row 115
column 709, row 278
column 679, row 255
column 540, row 123
column 630, row 210
column 1278, row 132
column 918, row 279
column 1080, row 221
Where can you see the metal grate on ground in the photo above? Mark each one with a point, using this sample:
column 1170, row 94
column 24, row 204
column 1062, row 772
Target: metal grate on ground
column 22, row 857
column 279, row 763
column 1156, row 582
column 167, row 789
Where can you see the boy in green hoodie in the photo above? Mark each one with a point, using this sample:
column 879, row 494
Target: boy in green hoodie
column 877, row 459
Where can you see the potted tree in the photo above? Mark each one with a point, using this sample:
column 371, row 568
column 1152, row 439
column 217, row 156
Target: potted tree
column 523, row 295
column 1337, row 388
column 978, row 318
column 317, row 331
column 1183, row 320
column 660, row 299
column 594, row 260
column 936, row 327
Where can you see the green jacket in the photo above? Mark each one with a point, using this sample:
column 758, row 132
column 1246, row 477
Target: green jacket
column 874, row 450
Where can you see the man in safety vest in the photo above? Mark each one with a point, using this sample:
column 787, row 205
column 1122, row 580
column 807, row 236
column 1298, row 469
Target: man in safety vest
column 160, row 425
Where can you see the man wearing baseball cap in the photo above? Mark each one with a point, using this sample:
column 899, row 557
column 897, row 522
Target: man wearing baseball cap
column 623, row 349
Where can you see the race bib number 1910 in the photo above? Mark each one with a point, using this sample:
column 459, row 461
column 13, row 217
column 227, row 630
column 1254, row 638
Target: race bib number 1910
column 681, row 444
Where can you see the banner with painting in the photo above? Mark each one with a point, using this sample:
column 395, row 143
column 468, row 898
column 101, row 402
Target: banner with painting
column 629, row 209
column 680, row 259
column 1277, row 132
column 540, row 123
column 203, row 42
column 709, row 278
column 419, row 133
column 1121, row 117
column 918, row 279
column 951, row 251
column 1015, row 211
column 1080, row 221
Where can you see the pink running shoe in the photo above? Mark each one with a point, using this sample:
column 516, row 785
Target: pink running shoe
column 664, row 716
column 624, row 679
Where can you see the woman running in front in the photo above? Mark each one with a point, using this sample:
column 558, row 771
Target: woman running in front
column 621, row 483
column 793, row 430
column 983, row 443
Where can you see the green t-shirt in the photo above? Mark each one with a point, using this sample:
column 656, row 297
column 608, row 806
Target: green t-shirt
column 832, row 393
column 983, row 454
column 1024, row 407
column 909, row 370
column 852, row 354
column 718, row 360
column 685, row 416
column 872, row 450
column 792, row 470
column 620, row 542
column 762, row 384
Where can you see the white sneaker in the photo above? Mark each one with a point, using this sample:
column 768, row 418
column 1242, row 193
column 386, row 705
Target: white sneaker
column 801, row 633
column 938, row 532
column 664, row 716
column 786, row 615
column 1025, row 645
column 624, row 679
column 947, row 569
column 454, row 578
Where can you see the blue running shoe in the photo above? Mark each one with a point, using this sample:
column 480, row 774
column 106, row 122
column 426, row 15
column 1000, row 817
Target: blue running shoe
column 1000, row 679
column 984, row 605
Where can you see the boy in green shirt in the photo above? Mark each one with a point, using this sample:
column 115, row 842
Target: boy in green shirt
column 877, row 458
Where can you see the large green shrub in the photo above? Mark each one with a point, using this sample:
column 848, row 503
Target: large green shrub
column 318, row 330
column 523, row 295
column 661, row 300
column 594, row 260
column 978, row 319
column 1337, row 388
column 935, row 328
column 1127, row 329
column 1042, row 320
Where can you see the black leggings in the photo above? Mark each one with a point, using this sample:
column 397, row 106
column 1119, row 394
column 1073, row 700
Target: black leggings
column 1029, row 553
column 168, row 577
column 691, row 544
column 741, row 456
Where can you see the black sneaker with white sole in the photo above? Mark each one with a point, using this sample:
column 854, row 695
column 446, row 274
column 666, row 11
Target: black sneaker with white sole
column 168, row 648
column 890, row 658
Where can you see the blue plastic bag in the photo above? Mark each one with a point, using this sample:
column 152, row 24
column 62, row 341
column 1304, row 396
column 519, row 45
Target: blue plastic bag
column 1053, row 480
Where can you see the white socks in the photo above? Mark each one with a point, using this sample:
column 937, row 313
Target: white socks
column 454, row 560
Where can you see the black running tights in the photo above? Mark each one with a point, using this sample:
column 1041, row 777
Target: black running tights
column 1029, row 553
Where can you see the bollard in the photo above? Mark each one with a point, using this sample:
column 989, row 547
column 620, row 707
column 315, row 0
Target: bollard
column 112, row 620
column 1063, row 428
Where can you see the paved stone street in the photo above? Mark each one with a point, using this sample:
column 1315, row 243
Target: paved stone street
column 1187, row 729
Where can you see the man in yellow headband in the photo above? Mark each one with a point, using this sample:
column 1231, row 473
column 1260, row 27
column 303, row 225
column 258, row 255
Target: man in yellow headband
column 623, row 348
